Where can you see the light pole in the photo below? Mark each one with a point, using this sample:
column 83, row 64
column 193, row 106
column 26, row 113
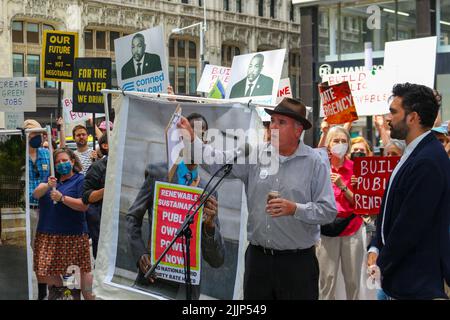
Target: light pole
column 202, row 34
column 202, row 26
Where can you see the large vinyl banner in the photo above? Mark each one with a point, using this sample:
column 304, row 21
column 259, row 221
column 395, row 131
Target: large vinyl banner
column 137, row 168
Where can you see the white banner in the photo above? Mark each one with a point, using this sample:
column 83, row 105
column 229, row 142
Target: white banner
column 18, row 94
column 141, row 61
column 210, row 75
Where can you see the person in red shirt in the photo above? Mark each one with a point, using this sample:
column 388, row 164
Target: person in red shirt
column 344, row 245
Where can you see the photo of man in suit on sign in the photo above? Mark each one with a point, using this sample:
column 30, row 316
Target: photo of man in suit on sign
column 255, row 84
column 141, row 62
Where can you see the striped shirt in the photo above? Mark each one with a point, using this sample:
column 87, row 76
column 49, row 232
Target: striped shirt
column 85, row 159
column 39, row 172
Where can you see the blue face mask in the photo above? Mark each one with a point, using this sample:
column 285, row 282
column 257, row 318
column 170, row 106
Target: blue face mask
column 36, row 142
column 64, row 168
column 184, row 175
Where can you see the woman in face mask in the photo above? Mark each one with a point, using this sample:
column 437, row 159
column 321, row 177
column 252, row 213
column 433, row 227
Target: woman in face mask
column 341, row 241
column 61, row 239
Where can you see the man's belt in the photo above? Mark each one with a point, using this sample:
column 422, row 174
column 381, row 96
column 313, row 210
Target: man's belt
column 274, row 252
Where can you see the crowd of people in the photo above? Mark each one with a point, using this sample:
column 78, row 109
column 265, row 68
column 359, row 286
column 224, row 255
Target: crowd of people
column 299, row 239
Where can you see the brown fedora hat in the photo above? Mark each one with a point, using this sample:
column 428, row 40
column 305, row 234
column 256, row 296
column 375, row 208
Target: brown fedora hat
column 291, row 108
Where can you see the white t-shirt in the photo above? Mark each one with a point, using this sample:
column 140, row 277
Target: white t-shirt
column 85, row 159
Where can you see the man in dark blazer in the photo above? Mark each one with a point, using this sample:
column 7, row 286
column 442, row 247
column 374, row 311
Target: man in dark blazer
column 412, row 242
column 255, row 84
column 141, row 62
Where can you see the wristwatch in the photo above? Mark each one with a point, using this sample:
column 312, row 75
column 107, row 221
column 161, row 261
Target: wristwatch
column 344, row 188
column 61, row 199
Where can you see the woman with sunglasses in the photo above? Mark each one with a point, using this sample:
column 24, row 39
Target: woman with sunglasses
column 62, row 243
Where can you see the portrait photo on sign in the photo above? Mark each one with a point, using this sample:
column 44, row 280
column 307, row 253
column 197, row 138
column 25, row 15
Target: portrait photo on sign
column 151, row 208
column 256, row 76
column 141, row 63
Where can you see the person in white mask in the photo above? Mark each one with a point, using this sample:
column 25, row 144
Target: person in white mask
column 342, row 240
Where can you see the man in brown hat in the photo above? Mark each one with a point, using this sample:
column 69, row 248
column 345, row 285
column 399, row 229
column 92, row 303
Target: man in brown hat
column 286, row 208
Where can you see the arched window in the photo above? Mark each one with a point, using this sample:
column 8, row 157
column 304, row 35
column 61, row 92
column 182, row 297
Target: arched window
column 228, row 53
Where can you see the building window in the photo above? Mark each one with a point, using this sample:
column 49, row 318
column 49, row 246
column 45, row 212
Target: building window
column 294, row 72
column 181, row 79
column 444, row 23
column 261, row 8
column 17, row 31
column 192, row 80
column 200, row 3
column 181, row 49
column 88, row 40
column 185, row 1
column 291, row 12
column 192, row 50
column 113, row 35
column 18, row 70
column 226, row 5
column 33, row 33
column 239, row 6
column 272, row 9
column 228, row 53
column 183, row 65
column 100, row 40
column 26, row 37
column 171, row 48
column 33, row 67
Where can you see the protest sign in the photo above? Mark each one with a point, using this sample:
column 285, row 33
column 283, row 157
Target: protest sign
column 284, row 89
column 141, row 61
column 412, row 61
column 73, row 117
column 59, row 50
column 337, row 102
column 256, row 77
column 211, row 74
column 91, row 76
column 372, row 175
column 172, row 203
column 370, row 89
column 18, row 94
column 14, row 120
column 173, row 139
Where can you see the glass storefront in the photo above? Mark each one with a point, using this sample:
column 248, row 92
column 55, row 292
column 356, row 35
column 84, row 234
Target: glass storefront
column 345, row 27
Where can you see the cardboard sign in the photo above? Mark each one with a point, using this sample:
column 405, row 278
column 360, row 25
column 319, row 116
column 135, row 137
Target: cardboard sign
column 373, row 175
column 59, row 50
column 142, row 61
column 370, row 90
column 171, row 204
column 14, row 120
column 18, row 94
column 91, row 76
column 337, row 102
column 73, row 117
column 256, row 76
column 211, row 74
column 284, row 89
column 174, row 142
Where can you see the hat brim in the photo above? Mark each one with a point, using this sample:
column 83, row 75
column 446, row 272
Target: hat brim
column 306, row 124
